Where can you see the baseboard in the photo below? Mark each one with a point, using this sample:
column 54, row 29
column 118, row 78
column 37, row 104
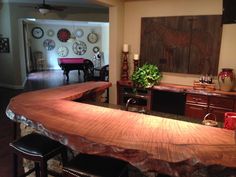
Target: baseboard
column 14, row 86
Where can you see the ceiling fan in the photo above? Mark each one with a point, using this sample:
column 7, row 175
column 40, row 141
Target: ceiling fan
column 46, row 8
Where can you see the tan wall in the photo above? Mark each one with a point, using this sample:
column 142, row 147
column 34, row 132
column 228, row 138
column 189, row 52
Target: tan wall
column 116, row 17
column 134, row 10
column 228, row 47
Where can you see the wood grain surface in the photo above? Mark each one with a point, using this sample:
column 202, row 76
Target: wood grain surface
column 150, row 143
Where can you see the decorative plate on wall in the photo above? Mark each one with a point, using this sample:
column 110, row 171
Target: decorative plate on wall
column 50, row 32
column 79, row 48
column 37, row 32
column 96, row 49
column 92, row 37
column 63, row 35
column 62, row 51
column 79, row 33
column 49, row 44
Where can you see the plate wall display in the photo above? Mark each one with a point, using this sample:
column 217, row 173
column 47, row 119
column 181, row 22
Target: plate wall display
column 50, row 32
column 63, row 34
column 62, row 51
column 37, row 32
column 92, row 37
column 96, row 49
column 49, row 44
column 79, row 48
column 79, row 33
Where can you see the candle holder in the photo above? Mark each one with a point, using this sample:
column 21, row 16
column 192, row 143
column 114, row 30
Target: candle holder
column 136, row 64
column 125, row 66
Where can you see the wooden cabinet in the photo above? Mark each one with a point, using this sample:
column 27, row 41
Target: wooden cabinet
column 196, row 103
column 220, row 105
column 196, row 106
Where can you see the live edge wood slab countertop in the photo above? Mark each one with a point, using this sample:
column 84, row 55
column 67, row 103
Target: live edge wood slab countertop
column 150, row 143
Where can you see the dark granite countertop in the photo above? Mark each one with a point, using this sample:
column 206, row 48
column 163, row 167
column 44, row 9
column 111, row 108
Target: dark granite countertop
column 154, row 113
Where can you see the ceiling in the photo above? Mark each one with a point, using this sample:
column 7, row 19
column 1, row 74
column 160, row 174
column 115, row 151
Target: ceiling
column 68, row 3
column 71, row 6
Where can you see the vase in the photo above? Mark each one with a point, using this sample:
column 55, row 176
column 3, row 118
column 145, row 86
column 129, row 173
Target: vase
column 226, row 79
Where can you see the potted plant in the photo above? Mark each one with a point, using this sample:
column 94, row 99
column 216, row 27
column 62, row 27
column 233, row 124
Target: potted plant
column 146, row 76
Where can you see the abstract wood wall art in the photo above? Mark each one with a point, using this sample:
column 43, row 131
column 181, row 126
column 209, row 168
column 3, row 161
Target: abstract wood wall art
column 183, row 44
column 4, row 45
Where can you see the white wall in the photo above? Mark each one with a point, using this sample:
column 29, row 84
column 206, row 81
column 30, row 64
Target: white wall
column 12, row 69
column 6, row 59
column 105, row 43
column 51, row 55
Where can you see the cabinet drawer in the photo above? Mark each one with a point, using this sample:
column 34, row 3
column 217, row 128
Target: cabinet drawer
column 197, row 99
column 195, row 111
column 221, row 102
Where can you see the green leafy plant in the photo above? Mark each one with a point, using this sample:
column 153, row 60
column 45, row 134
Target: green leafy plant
column 146, row 76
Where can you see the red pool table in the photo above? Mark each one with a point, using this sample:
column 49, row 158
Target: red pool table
column 68, row 64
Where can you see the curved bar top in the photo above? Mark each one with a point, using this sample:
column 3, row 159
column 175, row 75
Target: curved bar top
column 150, row 143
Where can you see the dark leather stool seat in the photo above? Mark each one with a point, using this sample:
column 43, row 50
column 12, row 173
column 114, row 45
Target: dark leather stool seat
column 37, row 148
column 85, row 165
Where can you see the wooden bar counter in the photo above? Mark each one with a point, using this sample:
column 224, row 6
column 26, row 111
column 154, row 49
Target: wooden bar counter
column 150, row 143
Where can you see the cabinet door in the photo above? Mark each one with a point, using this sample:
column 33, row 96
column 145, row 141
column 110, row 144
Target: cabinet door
column 195, row 111
column 220, row 105
column 220, row 113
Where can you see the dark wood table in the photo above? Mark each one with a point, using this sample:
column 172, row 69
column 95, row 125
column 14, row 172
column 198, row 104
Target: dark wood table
column 68, row 64
column 150, row 143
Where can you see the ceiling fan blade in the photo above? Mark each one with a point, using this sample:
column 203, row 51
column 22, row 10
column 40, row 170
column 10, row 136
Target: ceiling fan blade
column 45, row 6
column 50, row 7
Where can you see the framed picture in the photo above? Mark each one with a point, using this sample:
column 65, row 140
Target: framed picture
column 182, row 44
column 4, row 45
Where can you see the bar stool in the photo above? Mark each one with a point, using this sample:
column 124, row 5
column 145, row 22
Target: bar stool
column 39, row 149
column 85, row 165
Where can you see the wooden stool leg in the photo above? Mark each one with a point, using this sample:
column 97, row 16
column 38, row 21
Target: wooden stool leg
column 14, row 130
column 43, row 169
column 37, row 169
column 64, row 156
column 15, row 165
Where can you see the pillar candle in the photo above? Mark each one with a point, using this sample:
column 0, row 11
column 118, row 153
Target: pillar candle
column 125, row 48
column 136, row 57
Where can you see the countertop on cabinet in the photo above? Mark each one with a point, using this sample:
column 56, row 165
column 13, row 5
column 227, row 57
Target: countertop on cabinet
column 182, row 88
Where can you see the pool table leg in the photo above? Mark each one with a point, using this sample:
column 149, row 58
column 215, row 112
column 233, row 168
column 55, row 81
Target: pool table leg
column 66, row 72
column 85, row 75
